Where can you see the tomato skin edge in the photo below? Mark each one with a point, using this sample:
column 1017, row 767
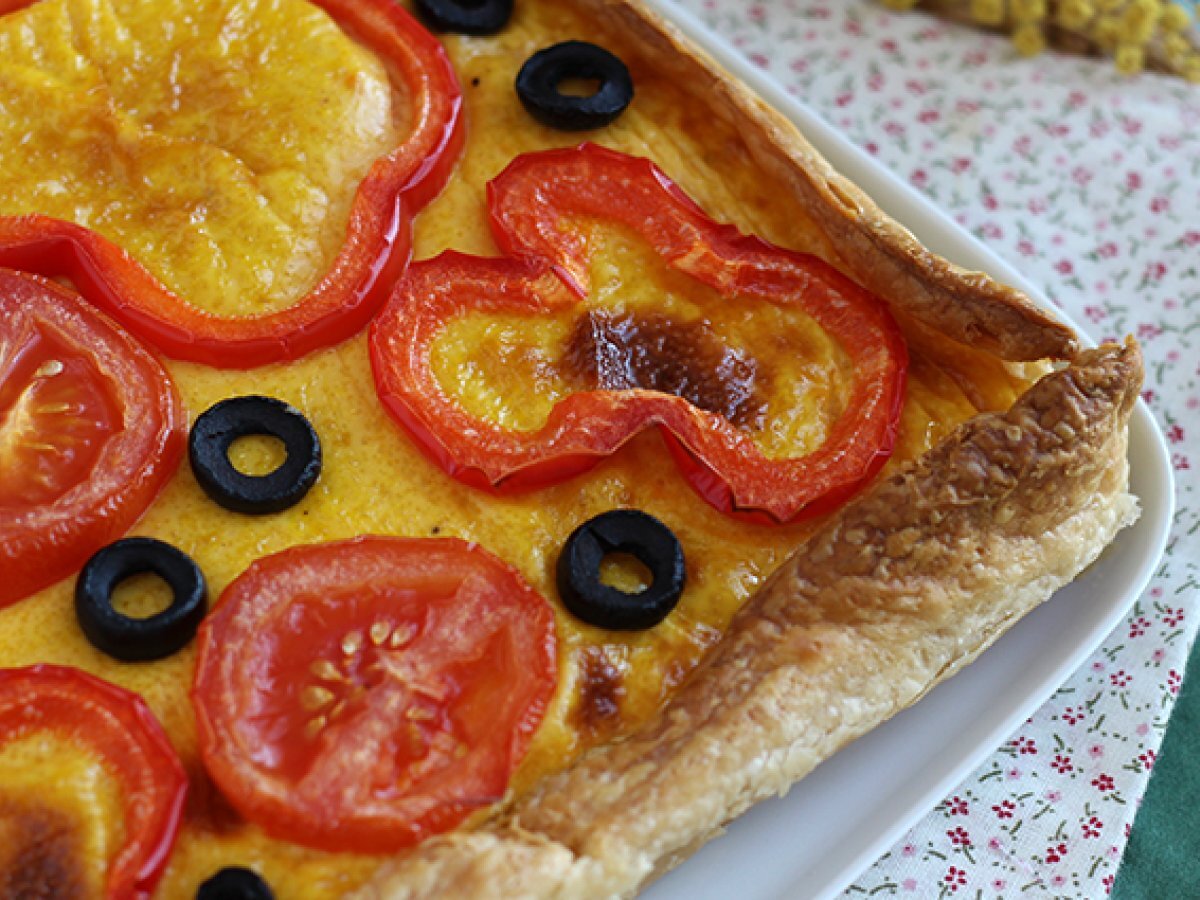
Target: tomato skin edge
column 64, row 534
column 136, row 870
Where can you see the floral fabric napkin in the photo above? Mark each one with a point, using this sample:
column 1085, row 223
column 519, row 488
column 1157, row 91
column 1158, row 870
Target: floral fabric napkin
column 1089, row 183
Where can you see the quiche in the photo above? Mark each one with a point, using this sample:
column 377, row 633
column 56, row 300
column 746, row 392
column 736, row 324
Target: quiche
column 634, row 461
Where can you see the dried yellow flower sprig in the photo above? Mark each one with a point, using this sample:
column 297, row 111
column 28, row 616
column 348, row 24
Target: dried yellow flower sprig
column 1137, row 34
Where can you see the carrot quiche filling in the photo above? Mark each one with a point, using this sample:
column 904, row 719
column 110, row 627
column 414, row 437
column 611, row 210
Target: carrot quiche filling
column 322, row 716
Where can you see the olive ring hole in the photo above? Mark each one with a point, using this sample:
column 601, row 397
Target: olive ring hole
column 141, row 595
column 625, row 572
column 257, row 455
column 578, row 86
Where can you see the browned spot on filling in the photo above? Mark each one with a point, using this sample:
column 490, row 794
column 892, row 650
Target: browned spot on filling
column 687, row 359
column 39, row 854
column 600, row 691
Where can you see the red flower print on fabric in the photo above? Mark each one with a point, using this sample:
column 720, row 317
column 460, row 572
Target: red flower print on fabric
column 1062, row 764
column 1055, row 852
column 955, row 878
column 959, row 837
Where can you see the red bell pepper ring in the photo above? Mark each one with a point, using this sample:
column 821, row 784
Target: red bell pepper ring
column 118, row 728
column 548, row 269
column 375, row 254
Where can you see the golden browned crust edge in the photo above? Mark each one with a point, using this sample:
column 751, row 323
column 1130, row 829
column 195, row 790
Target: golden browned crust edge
column 969, row 307
column 896, row 592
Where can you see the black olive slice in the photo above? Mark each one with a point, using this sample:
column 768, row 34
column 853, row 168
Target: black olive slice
column 465, row 16
column 640, row 535
column 238, row 417
column 540, row 78
column 139, row 640
column 235, row 884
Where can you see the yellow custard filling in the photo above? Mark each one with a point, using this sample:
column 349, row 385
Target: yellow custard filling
column 61, row 818
column 233, row 189
column 772, row 371
column 220, row 142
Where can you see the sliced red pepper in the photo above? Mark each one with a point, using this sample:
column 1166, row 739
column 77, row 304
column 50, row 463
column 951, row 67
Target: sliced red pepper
column 548, row 269
column 378, row 242
column 121, row 730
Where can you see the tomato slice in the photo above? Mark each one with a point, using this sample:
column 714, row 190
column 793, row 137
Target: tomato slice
column 119, row 728
column 90, row 430
column 378, row 236
column 362, row 695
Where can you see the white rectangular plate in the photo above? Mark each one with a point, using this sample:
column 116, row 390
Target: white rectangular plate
column 837, row 821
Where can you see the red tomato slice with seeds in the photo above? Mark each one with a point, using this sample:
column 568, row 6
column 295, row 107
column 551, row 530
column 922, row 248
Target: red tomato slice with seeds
column 363, row 695
column 120, row 730
column 90, row 430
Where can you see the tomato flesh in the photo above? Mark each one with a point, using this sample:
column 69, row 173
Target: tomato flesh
column 54, row 419
column 119, row 728
column 362, row 695
column 90, row 430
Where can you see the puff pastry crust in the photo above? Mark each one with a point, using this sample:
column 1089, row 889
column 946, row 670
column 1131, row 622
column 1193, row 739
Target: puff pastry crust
column 897, row 591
